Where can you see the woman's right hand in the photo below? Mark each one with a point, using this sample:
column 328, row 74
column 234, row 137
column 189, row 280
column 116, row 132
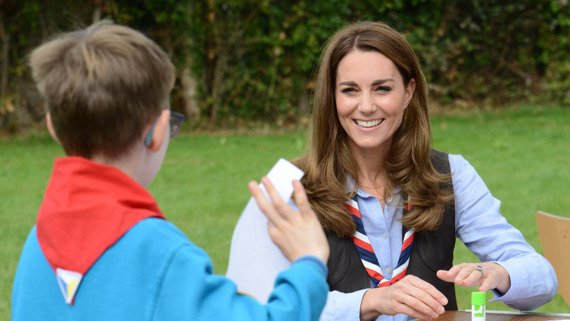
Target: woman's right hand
column 411, row 296
column 295, row 233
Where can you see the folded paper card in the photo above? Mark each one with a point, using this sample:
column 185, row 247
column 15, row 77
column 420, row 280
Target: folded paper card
column 255, row 260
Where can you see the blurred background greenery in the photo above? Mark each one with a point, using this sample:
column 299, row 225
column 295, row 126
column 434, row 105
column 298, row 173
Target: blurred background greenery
column 498, row 73
column 241, row 63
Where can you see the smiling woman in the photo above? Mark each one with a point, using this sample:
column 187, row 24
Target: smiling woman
column 371, row 98
column 376, row 77
column 391, row 205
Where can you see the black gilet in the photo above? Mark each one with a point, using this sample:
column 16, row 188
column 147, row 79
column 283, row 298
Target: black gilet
column 432, row 251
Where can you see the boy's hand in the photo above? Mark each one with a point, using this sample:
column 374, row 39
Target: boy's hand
column 295, row 233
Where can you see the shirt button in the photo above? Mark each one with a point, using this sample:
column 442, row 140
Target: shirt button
column 384, row 236
column 388, row 270
column 389, row 199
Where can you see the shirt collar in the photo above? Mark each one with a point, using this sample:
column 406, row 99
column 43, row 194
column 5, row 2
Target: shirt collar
column 362, row 194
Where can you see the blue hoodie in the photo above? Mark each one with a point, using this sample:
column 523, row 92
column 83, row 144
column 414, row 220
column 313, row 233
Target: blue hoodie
column 152, row 271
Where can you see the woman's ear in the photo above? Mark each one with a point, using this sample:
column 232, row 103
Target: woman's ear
column 410, row 89
column 50, row 128
column 160, row 130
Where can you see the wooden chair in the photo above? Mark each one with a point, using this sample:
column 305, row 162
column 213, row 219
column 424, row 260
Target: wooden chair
column 554, row 233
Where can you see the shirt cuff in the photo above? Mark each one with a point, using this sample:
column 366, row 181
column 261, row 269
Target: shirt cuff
column 531, row 283
column 343, row 306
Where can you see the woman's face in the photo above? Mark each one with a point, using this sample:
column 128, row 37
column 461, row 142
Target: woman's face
column 370, row 99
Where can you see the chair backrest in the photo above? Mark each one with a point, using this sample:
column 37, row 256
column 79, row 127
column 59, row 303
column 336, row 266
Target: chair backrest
column 554, row 233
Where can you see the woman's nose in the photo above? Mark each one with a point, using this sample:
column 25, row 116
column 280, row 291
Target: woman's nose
column 366, row 103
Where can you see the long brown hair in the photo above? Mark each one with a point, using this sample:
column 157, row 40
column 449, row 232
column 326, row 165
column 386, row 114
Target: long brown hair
column 407, row 164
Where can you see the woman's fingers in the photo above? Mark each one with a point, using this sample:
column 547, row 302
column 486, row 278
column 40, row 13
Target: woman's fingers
column 411, row 295
column 428, row 295
column 486, row 275
column 418, row 298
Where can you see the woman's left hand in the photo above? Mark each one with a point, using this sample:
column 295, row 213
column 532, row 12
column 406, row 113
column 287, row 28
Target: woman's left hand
column 485, row 275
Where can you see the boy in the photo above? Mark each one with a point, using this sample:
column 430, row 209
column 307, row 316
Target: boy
column 101, row 248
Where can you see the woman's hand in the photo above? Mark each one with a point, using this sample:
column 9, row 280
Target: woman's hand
column 295, row 233
column 411, row 296
column 485, row 275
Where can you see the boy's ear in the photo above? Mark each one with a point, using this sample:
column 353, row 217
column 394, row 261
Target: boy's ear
column 160, row 130
column 50, row 128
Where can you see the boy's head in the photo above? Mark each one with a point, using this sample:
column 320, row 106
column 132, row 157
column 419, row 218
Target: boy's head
column 103, row 87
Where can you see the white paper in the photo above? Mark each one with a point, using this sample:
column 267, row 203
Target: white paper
column 255, row 260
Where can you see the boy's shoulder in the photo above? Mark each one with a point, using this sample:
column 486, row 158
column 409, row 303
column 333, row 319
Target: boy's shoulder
column 159, row 239
column 159, row 231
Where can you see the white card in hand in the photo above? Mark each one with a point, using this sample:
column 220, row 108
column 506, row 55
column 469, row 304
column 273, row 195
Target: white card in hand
column 255, row 260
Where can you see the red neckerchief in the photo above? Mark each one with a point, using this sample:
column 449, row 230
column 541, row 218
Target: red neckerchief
column 88, row 207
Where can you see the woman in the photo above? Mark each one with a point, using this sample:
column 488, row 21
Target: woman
column 393, row 206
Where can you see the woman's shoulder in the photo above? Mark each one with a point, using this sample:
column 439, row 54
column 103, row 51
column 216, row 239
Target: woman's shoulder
column 436, row 153
column 464, row 175
column 458, row 163
column 459, row 167
column 457, row 159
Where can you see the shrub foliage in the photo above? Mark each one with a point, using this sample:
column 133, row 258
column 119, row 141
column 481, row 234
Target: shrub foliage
column 242, row 61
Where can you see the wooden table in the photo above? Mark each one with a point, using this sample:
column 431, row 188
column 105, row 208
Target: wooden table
column 502, row 316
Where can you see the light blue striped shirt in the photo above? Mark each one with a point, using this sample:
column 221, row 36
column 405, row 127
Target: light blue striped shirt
column 478, row 223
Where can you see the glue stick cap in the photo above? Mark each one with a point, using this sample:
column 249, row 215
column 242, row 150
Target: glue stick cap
column 478, row 298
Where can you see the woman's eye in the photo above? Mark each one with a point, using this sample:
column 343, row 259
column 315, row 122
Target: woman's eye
column 384, row 88
column 347, row 90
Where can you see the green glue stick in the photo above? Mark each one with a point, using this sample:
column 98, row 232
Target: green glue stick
column 478, row 300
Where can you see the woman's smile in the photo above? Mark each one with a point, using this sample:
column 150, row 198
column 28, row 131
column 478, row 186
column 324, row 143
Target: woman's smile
column 368, row 123
column 370, row 97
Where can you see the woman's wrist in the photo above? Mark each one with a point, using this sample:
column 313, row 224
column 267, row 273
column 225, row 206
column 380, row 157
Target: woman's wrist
column 504, row 279
column 368, row 306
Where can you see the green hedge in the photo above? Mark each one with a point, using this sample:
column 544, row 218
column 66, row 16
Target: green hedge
column 254, row 60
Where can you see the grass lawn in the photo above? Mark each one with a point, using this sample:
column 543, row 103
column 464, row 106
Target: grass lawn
column 522, row 154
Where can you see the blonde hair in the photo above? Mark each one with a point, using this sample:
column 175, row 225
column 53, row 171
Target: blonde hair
column 328, row 160
column 102, row 86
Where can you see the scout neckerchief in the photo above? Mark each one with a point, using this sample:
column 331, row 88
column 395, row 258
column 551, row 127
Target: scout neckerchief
column 366, row 252
column 86, row 209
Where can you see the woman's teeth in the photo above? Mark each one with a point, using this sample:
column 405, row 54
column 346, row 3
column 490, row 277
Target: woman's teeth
column 368, row 124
